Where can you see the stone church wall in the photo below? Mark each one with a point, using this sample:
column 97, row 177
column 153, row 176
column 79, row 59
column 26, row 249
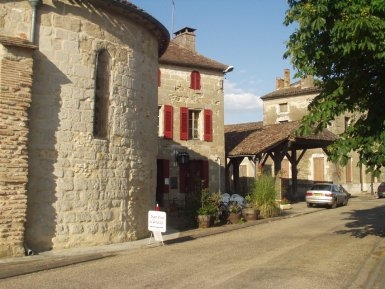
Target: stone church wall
column 84, row 190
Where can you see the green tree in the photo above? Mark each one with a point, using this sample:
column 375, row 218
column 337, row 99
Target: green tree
column 342, row 44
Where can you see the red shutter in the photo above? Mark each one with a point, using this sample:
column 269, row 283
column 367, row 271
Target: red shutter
column 195, row 80
column 184, row 123
column 208, row 125
column 192, row 80
column 168, row 124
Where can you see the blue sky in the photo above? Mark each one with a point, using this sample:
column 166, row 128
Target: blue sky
column 246, row 34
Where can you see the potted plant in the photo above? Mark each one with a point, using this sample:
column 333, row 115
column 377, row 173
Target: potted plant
column 284, row 204
column 250, row 211
column 208, row 212
column 235, row 213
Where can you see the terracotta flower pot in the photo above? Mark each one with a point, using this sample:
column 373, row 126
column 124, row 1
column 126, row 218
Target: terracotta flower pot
column 234, row 218
column 250, row 214
column 204, row 221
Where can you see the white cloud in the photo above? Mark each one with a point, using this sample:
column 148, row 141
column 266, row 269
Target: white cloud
column 241, row 105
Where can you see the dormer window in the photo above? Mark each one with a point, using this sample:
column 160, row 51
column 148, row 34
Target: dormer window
column 195, row 81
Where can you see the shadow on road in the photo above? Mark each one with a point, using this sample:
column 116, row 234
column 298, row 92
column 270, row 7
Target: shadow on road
column 365, row 222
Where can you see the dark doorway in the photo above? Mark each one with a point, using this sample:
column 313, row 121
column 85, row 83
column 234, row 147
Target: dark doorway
column 193, row 176
column 162, row 180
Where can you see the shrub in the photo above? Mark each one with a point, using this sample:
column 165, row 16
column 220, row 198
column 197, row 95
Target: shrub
column 263, row 194
column 209, row 204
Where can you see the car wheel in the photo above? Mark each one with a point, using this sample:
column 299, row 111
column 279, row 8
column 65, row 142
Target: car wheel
column 308, row 205
column 333, row 205
column 345, row 203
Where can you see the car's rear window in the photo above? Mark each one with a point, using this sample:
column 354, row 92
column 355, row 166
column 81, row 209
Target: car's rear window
column 321, row 187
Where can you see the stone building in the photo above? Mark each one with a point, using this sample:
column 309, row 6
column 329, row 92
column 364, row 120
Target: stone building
column 282, row 110
column 78, row 123
column 191, row 122
column 289, row 103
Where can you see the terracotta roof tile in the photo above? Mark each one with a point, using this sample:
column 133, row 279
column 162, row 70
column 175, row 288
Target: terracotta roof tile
column 255, row 138
column 291, row 91
column 181, row 56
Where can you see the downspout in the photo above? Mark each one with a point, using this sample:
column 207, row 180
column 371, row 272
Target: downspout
column 34, row 4
column 219, row 174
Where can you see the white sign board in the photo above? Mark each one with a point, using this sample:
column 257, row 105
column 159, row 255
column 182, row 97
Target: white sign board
column 157, row 221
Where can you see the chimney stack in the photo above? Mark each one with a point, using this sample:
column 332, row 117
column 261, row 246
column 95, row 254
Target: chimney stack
column 278, row 83
column 186, row 38
column 307, row 81
column 286, row 78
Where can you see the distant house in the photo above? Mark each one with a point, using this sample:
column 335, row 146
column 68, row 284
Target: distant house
column 191, row 153
column 274, row 140
column 77, row 134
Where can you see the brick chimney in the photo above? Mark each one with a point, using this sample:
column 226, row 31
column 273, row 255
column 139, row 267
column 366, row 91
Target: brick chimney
column 186, row 38
column 286, row 78
column 278, row 83
column 307, row 81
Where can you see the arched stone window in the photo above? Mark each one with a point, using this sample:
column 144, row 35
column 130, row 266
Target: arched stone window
column 102, row 92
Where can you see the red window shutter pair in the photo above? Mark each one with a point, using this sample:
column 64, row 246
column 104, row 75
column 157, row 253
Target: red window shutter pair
column 168, row 123
column 184, row 124
column 195, row 80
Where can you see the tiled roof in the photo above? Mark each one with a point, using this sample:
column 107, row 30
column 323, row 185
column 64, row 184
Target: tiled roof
column 14, row 41
column 255, row 138
column 291, row 91
column 180, row 56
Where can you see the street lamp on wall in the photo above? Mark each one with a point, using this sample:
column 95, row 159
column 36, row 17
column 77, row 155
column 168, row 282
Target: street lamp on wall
column 181, row 158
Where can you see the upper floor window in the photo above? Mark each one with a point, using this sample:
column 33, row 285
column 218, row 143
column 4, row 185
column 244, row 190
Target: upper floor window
column 195, row 80
column 102, row 92
column 195, row 124
column 283, row 107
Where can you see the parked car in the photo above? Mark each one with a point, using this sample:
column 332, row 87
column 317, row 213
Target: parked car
column 380, row 190
column 345, row 191
column 331, row 195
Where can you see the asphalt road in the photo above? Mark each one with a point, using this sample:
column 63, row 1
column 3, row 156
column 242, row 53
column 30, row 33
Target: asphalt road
column 337, row 248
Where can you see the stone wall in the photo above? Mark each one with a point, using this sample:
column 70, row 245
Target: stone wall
column 84, row 190
column 15, row 98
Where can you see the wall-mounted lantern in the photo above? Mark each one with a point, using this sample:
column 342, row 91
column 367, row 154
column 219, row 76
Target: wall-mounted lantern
column 182, row 157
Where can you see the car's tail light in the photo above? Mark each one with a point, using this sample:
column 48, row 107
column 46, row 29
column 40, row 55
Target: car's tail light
column 328, row 194
column 309, row 194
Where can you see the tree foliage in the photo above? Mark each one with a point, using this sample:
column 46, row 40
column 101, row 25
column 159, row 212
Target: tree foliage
column 342, row 44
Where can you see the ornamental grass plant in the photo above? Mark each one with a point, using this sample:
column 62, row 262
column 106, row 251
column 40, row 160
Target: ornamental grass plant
column 263, row 195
